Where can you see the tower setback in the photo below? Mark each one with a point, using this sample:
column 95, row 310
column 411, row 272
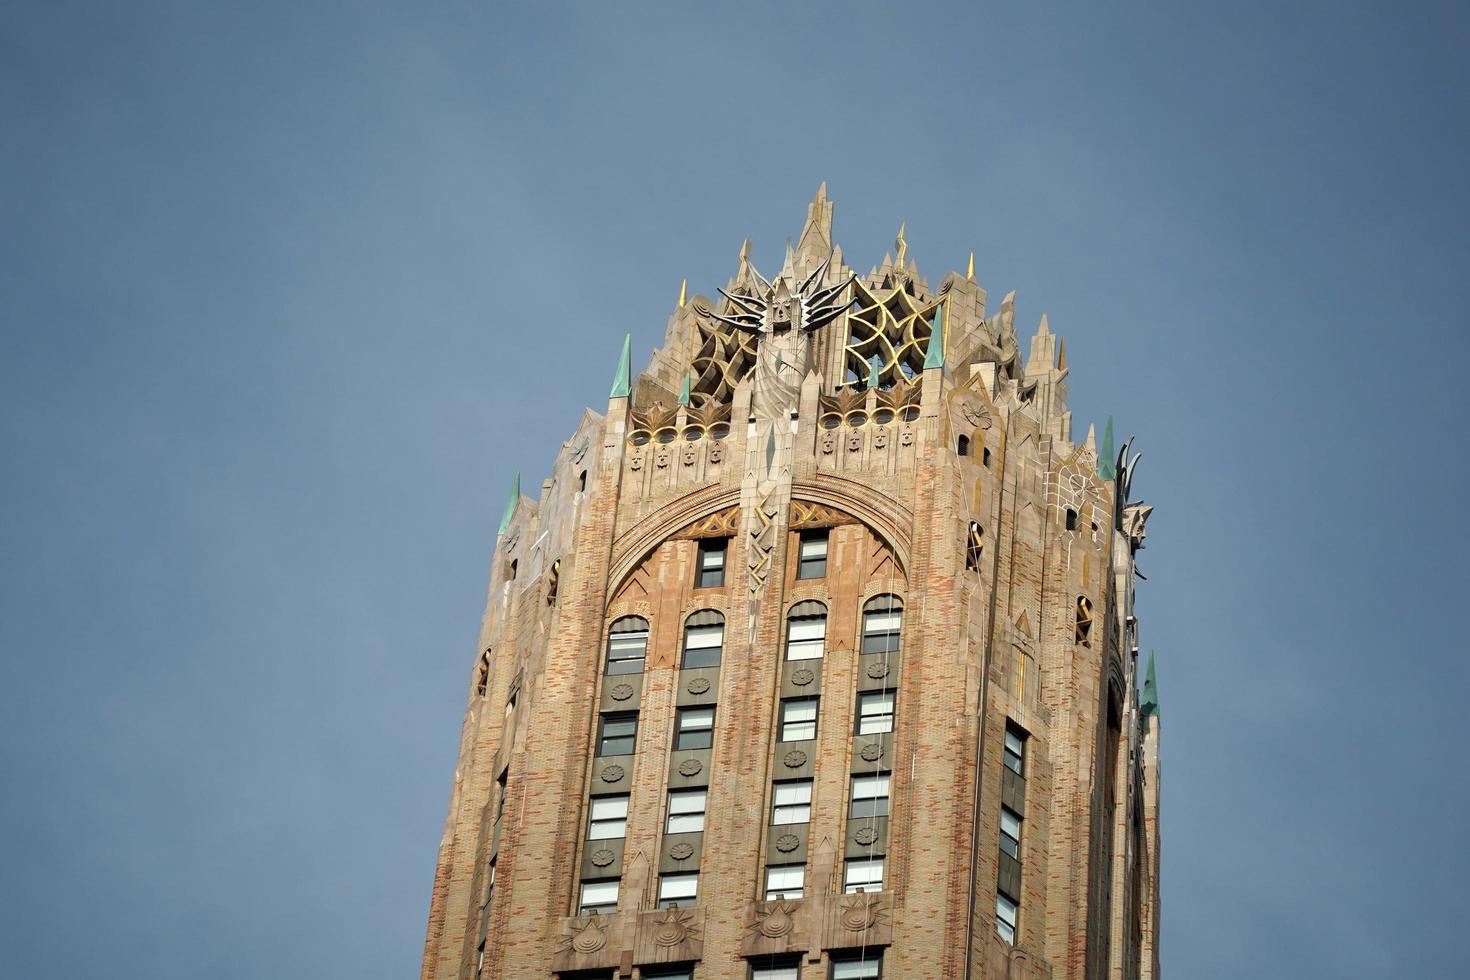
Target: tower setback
column 816, row 657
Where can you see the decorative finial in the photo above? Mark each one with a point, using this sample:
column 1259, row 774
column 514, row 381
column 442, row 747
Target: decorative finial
column 875, row 371
column 934, row 356
column 684, row 390
column 510, row 505
column 622, row 385
column 900, row 244
column 1148, row 705
column 1106, row 468
column 745, row 251
column 683, row 292
column 970, row 272
column 1061, row 353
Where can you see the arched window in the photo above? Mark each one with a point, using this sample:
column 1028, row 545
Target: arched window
column 1084, row 621
column 582, row 482
column 806, row 631
column 704, row 639
column 482, row 675
column 1071, row 519
column 985, row 457
column 627, row 645
column 882, row 619
column 963, row 447
column 553, row 582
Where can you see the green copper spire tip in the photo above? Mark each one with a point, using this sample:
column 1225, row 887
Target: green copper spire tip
column 1148, row 706
column 1107, row 466
column 623, row 380
column 934, row 356
column 684, row 390
column 510, row 505
column 875, row 371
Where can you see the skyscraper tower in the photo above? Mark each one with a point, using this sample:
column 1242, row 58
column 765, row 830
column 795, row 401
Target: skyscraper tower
column 815, row 657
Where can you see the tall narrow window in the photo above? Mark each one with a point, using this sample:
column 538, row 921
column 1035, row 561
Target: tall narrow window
column 882, row 620
column 598, row 896
column 1005, row 917
column 482, row 675
column 627, row 645
column 704, row 637
column 686, row 811
column 710, row 573
column 869, row 797
column 798, row 719
column 963, row 446
column 875, row 712
column 806, row 631
column 985, row 457
column 694, row 728
column 863, row 875
column 553, row 582
column 785, row 881
column 1015, row 751
column 791, row 802
column 500, row 793
column 607, row 817
column 1010, row 832
column 1084, row 621
column 1071, row 519
column 974, row 547
column 677, row 889
column 617, row 733
column 812, row 554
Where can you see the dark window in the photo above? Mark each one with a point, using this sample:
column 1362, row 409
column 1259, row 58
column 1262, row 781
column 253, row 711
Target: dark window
column 1071, row 519
column 694, row 728
column 617, row 733
column 963, row 448
column 798, row 719
column 812, row 554
column 500, row 788
column 627, row 645
column 582, row 482
column 985, row 456
column 711, row 571
column 974, row 547
column 482, row 675
column 882, row 620
column 511, row 574
column 553, row 582
column 704, row 638
column 1015, row 752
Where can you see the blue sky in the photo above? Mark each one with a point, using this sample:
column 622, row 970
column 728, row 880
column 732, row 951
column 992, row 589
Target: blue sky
column 280, row 287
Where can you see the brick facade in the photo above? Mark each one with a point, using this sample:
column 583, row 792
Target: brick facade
column 949, row 488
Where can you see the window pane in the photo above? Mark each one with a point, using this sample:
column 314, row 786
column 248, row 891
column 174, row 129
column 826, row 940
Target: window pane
column 798, row 719
column 599, row 895
column 785, row 881
column 702, row 645
column 1005, row 918
column 686, row 811
column 863, row 968
column 1015, row 752
column 625, row 652
column 875, row 713
column 776, row 973
column 792, row 803
column 864, row 874
column 695, row 728
column 1010, row 823
column 814, row 547
column 618, row 736
column 680, row 888
column 870, row 796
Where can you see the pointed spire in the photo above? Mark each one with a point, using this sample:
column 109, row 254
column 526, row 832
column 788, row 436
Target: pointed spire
column 1044, row 329
column 1106, row 455
column 510, row 505
column 1061, row 353
column 1148, row 705
column 684, row 390
column 934, row 356
column 901, row 244
column 875, row 371
column 622, row 385
column 683, row 293
column 970, row 272
column 1090, row 443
